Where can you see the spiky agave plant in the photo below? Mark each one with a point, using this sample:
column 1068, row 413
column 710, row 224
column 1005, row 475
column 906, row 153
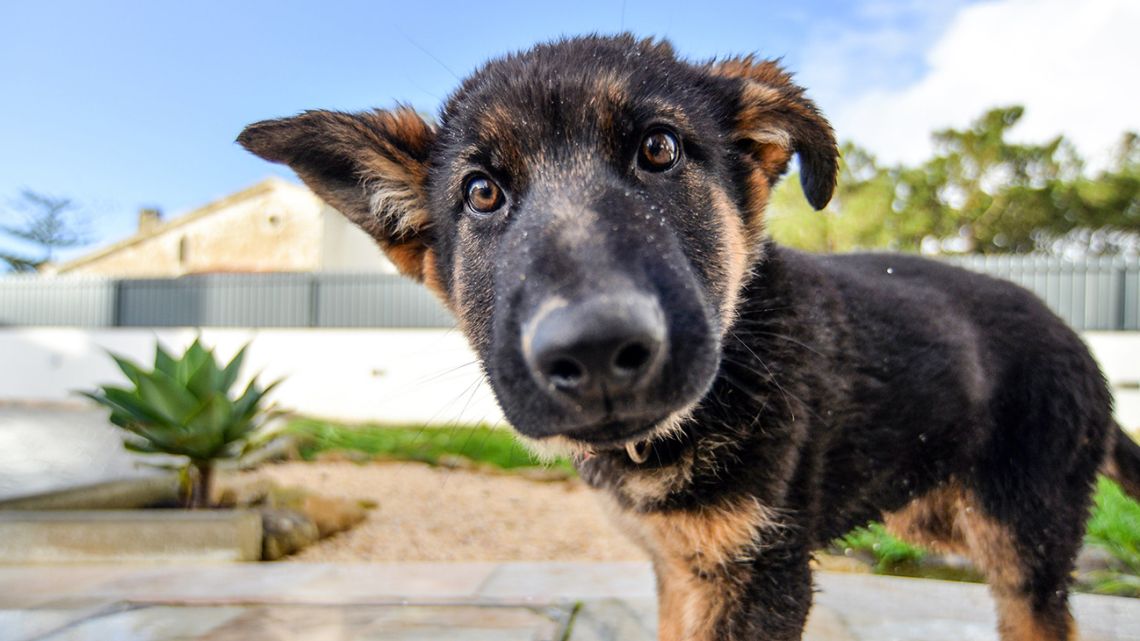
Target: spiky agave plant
column 183, row 407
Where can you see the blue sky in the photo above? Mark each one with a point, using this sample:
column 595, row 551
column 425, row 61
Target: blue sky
column 120, row 105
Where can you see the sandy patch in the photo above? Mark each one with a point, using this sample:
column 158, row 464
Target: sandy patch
column 435, row 514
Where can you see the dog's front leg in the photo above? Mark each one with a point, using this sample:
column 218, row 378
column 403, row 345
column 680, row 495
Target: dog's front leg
column 765, row 597
column 776, row 598
column 690, row 605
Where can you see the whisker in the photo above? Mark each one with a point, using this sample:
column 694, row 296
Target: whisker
column 429, row 54
column 433, row 377
column 468, row 391
column 788, row 396
column 788, row 339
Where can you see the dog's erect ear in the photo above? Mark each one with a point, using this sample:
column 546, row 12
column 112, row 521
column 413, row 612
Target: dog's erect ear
column 371, row 166
column 775, row 120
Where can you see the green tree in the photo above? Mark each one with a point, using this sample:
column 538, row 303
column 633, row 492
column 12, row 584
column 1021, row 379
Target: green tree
column 1105, row 209
column 49, row 224
column 991, row 193
column 979, row 193
column 17, row 263
column 857, row 217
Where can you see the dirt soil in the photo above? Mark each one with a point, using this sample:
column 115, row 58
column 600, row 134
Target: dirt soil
column 429, row 513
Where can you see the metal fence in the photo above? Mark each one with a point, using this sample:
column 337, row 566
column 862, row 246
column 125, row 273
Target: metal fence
column 1090, row 294
column 222, row 300
column 1101, row 293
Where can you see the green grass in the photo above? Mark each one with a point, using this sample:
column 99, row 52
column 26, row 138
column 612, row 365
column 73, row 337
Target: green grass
column 480, row 444
column 888, row 551
column 1114, row 526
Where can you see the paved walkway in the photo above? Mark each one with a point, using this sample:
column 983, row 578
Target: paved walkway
column 461, row 602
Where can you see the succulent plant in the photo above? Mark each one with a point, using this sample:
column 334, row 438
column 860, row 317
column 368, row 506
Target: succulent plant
column 183, row 407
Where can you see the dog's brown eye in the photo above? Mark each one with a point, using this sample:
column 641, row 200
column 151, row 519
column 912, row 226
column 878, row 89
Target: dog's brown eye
column 659, row 150
column 482, row 194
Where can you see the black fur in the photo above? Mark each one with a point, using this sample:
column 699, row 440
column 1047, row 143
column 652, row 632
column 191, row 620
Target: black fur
column 832, row 390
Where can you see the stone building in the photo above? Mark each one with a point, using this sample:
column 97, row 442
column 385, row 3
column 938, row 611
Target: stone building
column 273, row 226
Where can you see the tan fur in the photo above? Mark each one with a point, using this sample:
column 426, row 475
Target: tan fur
column 931, row 521
column 759, row 192
column 771, row 99
column 771, row 122
column 554, row 447
column 408, row 258
column 950, row 519
column 1109, row 467
column 694, row 554
column 767, row 72
column 396, row 181
column 498, row 123
column 1016, row 621
column 689, row 606
column 612, row 88
column 649, row 486
column 394, row 186
column 713, row 537
column 738, row 253
column 431, row 277
column 761, row 124
column 498, row 137
column 468, row 319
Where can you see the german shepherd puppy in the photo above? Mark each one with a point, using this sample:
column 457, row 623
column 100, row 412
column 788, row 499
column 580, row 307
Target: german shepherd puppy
column 592, row 211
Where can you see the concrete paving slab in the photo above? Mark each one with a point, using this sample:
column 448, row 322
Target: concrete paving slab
column 325, row 623
column 410, row 601
column 149, row 623
column 216, row 584
column 553, row 581
column 388, row 582
column 28, row 625
column 32, row 586
column 307, row 583
column 613, row 619
column 902, row 609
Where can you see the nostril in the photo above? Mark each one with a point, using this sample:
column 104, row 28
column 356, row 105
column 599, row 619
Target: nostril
column 596, row 349
column 631, row 358
column 565, row 373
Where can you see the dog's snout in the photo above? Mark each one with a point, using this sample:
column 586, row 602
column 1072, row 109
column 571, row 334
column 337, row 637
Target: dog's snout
column 602, row 347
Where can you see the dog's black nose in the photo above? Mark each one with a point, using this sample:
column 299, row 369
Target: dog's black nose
column 604, row 346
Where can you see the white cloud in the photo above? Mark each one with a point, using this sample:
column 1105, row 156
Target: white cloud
column 878, row 46
column 1074, row 65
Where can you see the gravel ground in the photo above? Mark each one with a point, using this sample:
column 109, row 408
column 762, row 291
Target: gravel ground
column 435, row 514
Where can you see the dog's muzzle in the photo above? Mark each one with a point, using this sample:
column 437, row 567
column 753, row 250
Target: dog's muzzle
column 597, row 354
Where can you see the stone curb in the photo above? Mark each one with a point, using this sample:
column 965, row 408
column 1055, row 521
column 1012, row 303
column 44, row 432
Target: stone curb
column 148, row 536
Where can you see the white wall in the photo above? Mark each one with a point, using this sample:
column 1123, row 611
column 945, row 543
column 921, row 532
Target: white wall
column 1119, row 356
column 358, row 375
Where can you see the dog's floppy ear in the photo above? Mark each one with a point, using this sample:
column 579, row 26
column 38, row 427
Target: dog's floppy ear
column 775, row 120
column 371, row 166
